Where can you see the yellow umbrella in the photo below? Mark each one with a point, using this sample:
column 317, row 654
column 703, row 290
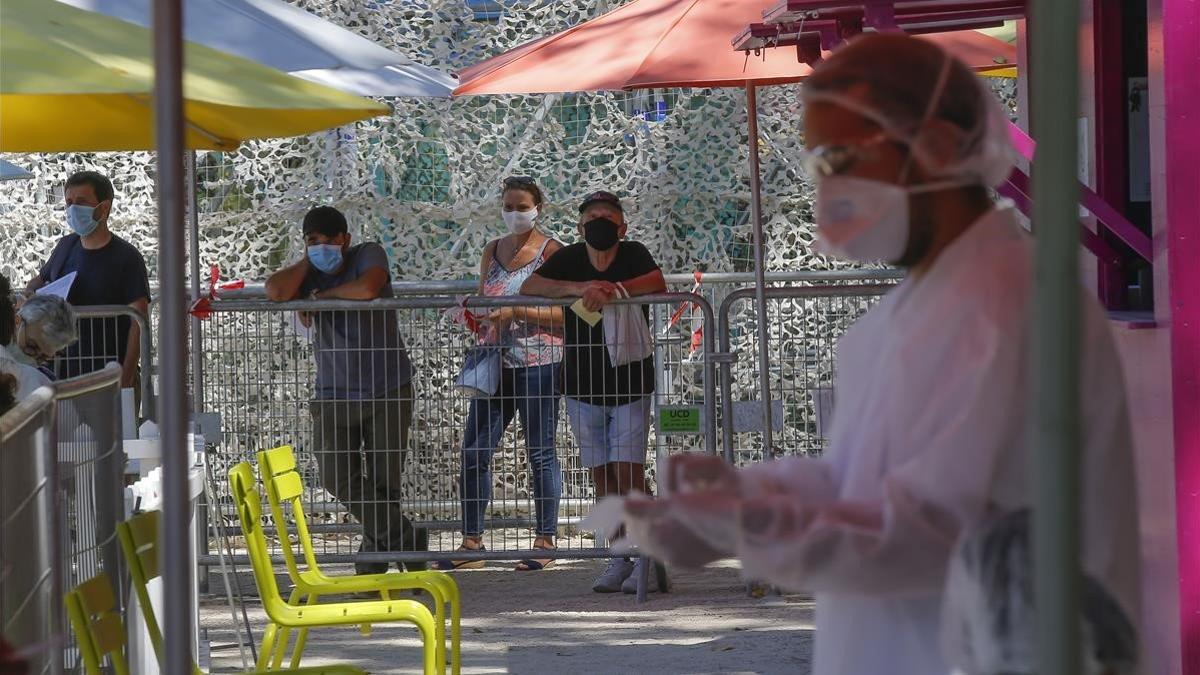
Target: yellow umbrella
column 72, row 80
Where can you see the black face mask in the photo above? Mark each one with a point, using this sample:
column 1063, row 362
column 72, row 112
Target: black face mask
column 601, row 233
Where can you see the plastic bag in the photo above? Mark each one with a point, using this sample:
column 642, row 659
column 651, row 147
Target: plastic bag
column 626, row 333
column 480, row 375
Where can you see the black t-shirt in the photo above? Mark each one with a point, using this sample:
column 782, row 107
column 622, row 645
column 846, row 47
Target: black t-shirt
column 112, row 275
column 588, row 374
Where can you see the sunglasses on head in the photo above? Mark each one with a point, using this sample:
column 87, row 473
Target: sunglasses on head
column 518, row 180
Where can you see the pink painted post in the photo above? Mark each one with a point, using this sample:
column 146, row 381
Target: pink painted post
column 1180, row 63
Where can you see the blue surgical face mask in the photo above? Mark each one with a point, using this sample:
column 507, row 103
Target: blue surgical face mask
column 81, row 219
column 325, row 257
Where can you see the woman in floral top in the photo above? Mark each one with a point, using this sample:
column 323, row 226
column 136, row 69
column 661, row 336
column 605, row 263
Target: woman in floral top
column 529, row 385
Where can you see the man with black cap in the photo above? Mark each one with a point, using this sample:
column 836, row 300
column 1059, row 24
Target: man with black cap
column 362, row 402
column 609, row 407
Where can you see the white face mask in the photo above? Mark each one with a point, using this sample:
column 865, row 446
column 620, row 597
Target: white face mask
column 519, row 222
column 861, row 219
column 865, row 220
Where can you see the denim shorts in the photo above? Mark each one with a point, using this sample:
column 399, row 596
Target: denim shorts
column 610, row 433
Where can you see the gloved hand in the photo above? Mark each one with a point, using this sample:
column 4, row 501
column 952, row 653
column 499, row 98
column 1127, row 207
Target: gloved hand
column 692, row 473
column 687, row 530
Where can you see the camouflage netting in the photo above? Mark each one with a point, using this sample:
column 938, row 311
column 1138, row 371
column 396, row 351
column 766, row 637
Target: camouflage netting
column 424, row 180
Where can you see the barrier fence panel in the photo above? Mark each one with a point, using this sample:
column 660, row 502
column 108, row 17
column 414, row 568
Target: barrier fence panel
column 384, row 453
column 103, row 338
column 61, row 494
column 30, row 588
column 805, row 325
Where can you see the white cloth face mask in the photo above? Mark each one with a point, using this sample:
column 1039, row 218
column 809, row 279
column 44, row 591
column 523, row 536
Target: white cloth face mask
column 519, row 222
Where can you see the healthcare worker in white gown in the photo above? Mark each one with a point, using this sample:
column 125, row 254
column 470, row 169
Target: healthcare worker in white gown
column 931, row 424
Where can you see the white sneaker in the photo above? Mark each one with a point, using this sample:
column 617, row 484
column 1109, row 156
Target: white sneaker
column 630, row 584
column 614, row 576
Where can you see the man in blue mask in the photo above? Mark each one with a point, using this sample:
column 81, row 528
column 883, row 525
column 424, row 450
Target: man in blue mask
column 362, row 401
column 108, row 271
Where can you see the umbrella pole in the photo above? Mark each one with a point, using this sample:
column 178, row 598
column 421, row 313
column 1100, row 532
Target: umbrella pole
column 194, row 264
column 172, row 326
column 760, row 272
column 1054, row 461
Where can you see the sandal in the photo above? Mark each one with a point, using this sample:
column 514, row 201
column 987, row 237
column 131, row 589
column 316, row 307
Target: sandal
column 532, row 564
column 451, row 565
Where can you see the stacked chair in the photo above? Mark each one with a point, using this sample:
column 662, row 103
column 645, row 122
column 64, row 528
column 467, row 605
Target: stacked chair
column 95, row 615
column 284, row 615
column 284, row 485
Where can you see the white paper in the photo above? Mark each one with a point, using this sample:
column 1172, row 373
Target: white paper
column 59, row 287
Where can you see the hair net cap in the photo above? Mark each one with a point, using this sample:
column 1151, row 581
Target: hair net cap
column 900, row 83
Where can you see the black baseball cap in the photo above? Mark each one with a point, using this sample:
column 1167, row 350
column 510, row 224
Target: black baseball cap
column 601, row 196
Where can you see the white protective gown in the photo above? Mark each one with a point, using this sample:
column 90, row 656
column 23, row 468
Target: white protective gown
column 929, row 432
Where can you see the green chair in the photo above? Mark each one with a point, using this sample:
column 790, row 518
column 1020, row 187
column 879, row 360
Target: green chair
column 283, row 485
column 283, row 614
column 99, row 631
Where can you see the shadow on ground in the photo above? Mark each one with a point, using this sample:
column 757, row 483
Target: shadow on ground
column 551, row 622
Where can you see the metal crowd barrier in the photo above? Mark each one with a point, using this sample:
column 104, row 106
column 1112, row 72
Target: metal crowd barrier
column 805, row 323
column 102, row 323
column 61, row 495
column 259, row 373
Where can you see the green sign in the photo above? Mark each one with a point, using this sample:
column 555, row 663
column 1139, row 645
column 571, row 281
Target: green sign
column 679, row 419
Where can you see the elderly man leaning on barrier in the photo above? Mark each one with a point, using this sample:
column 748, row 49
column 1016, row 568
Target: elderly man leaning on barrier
column 363, row 397
column 608, row 406
column 107, row 271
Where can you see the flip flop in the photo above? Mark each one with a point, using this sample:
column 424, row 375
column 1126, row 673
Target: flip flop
column 451, row 565
column 532, row 565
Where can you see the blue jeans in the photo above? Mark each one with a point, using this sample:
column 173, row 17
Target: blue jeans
column 533, row 394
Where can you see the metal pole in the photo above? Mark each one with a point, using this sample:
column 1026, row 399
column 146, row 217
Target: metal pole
column 1055, row 339
column 57, row 530
column 172, row 402
column 760, row 282
column 194, row 265
column 196, row 350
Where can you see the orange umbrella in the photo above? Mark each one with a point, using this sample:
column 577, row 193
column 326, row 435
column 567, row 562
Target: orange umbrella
column 670, row 43
column 683, row 43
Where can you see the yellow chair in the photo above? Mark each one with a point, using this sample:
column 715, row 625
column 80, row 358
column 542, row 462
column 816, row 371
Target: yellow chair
column 285, row 615
column 283, row 484
column 99, row 631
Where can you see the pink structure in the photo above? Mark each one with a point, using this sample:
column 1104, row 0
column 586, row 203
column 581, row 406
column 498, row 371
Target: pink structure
column 1177, row 24
column 1143, row 57
column 1161, row 358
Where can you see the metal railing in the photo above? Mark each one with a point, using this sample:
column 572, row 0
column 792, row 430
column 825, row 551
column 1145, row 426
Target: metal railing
column 806, row 323
column 259, row 374
column 61, row 494
column 103, row 322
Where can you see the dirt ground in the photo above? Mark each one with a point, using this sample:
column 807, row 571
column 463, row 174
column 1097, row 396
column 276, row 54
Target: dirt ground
column 552, row 622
